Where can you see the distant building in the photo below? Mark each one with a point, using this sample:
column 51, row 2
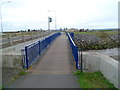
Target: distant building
column 73, row 29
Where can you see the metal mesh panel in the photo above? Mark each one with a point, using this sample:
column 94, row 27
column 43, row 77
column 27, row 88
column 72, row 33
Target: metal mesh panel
column 31, row 52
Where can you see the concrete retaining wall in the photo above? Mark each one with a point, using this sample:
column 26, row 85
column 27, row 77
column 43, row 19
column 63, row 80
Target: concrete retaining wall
column 103, row 63
column 13, row 61
column 11, row 56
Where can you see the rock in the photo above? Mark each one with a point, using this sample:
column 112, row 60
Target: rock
column 115, row 37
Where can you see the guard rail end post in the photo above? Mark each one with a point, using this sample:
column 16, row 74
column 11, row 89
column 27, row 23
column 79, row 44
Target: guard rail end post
column 23, row 60
column 26, row 57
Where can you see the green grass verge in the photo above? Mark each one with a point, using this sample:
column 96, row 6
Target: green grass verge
column 93, row 80
column 96, row 32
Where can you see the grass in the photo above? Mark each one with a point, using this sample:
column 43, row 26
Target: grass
column 96, row 32
column 1, row 88
column 84, row 33
column 93, row 80
column 104, row 30
column 22, row 73
column 19, row 34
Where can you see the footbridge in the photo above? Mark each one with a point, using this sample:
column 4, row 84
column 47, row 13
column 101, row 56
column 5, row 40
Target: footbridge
column 51, row 61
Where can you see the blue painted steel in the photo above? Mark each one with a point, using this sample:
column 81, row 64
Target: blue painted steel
column 23, row 58
column 39, row 48
column 72, row 35
column 31, row 52
column 26, row 57
column 74, row 48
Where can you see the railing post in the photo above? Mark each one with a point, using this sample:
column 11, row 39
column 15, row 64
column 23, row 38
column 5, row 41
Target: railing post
column 32, row 36
column 10, row 39
column 39, row 48
column 23, row 37
column 26, row 53
column 76, row 49
column 81, row 62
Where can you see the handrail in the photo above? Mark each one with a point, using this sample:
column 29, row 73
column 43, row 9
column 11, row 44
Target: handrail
column 71, row 39
column 74, row 49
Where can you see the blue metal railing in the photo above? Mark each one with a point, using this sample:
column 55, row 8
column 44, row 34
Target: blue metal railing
column 72, row 35
column 74, row 48
column 32, row 52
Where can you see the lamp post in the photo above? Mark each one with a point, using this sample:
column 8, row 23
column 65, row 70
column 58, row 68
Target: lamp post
column 1, row 14
column 55, row 18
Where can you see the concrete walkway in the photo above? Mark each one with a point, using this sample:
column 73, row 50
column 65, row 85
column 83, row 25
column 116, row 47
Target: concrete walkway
column 54, row 69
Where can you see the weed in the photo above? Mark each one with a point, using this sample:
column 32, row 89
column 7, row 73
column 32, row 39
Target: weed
column 22, row 73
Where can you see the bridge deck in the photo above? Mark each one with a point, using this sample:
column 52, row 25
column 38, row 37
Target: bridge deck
column 54, row 69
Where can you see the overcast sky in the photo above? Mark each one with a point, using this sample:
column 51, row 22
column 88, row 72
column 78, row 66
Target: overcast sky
column 33, row 14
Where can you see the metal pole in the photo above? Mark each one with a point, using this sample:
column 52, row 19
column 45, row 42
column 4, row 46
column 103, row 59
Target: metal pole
column 81, row 63
column 55, row 22
column 48, row 24
column 55, row 18
column 26, row 55
column 1, row 15
column 79, row 59
column 1, row 18
column 48, row 20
